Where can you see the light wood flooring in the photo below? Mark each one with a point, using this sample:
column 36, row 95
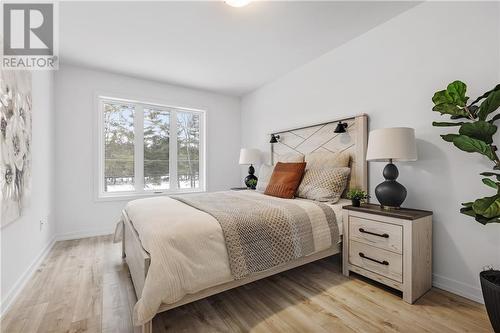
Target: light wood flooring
column 83, row 286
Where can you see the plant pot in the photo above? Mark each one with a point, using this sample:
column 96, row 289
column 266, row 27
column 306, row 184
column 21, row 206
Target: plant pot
column 490, row 285
column 356, row 202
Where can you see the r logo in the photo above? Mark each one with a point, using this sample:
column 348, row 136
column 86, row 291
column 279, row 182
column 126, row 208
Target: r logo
column 28, row 29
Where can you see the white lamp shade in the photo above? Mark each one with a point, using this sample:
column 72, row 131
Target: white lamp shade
column 397, row 144
column 249, row 156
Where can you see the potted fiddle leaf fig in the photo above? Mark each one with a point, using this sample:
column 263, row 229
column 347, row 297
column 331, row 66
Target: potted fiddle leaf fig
column 476, row 126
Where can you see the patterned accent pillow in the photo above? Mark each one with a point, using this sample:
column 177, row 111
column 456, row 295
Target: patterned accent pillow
column 265, row 173
column 323, row 184
column 285, row 180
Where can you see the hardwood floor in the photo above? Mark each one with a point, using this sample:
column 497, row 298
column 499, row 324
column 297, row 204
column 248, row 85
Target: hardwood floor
column 83, row 286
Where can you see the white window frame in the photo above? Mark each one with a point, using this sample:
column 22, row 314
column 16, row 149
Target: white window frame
column 139, row 150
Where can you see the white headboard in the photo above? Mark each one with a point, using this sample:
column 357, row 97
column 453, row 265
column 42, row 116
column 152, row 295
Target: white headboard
column 321, row 138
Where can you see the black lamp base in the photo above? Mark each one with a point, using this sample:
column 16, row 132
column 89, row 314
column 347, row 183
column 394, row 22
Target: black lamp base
column 251, row 179
column 390, row 194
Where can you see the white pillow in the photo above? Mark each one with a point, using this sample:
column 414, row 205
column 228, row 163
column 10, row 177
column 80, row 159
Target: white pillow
column 291, row 158
column 265, row 174
column 326, row 160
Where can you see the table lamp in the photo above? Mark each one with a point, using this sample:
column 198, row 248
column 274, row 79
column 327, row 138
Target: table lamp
column 391, row 145
column 250, row 156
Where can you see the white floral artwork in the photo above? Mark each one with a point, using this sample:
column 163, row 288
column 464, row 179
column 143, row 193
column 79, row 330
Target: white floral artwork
column 15, row 144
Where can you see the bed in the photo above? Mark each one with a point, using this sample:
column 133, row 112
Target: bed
column 175, row 263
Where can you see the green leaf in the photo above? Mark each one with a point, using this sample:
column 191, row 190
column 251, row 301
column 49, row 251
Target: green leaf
column 486, row 94
column 484, row 220
column 481, row 130
column 449, row 137
column 479, row 218
column 488, row 207
column 495, row 118
column 491, row 174
column 446, row 124
column 468, row 211
column 472, row 145
column 489, row 105
column 456, row 90
column 452, row 101
column 467, row 204
column 490, row 183
column 459, row 117
column 451, row 109
column 442, row 97
column 454, row 95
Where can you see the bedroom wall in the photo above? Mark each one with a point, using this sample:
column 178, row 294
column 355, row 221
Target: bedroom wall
column 24, row 241
column 78, row 214
column 391, row 73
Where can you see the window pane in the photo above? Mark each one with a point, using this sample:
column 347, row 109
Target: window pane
column 188, row 150
column 156, row 150
column 118, row 147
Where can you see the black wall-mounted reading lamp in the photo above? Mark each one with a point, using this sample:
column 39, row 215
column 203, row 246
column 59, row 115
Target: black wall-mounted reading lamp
column 340, row 127
column 274, row 138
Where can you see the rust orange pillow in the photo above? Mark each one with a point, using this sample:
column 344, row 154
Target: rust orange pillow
column 285, row 180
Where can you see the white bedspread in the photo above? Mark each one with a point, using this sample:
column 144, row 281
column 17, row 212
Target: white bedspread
column 187, row 249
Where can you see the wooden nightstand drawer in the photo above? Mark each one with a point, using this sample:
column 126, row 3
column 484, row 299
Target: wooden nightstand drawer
column 383, row 262
column 379, row 234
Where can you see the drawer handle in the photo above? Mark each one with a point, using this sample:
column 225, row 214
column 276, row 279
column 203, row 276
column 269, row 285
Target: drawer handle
column 385, row 262
column 373, row 233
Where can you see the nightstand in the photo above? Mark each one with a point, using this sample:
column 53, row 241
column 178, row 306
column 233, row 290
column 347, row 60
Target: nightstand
column 393, row 247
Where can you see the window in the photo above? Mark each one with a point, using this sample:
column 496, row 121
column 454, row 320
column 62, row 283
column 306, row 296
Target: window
column 149, row 149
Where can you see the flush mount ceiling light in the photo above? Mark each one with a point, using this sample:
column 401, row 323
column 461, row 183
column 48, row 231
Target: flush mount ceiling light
column 237, row 3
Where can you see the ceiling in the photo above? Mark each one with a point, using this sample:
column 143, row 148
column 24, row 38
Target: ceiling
column 210, row 45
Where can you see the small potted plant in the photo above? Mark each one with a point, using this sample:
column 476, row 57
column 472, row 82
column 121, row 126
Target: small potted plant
column 251, row 184
column 357, row 196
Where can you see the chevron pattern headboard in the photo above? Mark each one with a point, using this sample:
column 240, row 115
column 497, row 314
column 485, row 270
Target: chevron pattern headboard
column 321, row 138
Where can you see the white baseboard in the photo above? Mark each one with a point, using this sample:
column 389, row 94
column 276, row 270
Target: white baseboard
column 23, row 279
column 84, row 234
column 457, row 287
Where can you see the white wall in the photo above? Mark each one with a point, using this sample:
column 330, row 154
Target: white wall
column 23, row 241
column 391, row 73
column 78, row 214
